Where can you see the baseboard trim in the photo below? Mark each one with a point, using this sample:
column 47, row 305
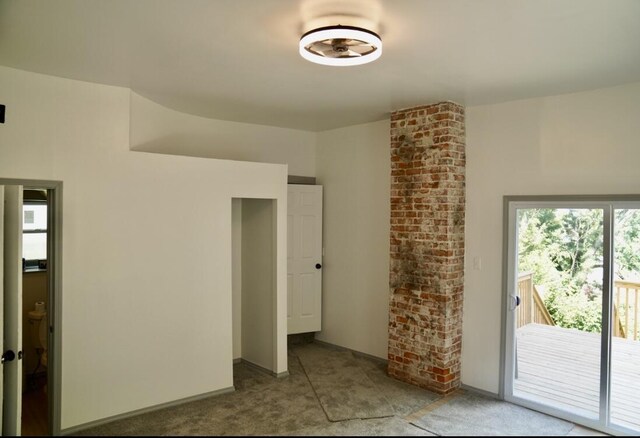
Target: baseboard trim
column 264, row 370
column 237, row 361
column 355, row 352
column 480, row 391
column 386, row 362
column 103, row 421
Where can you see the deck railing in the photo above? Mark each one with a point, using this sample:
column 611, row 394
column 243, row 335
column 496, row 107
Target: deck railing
column 626, row 295
column 531, row 308
column 626, row 310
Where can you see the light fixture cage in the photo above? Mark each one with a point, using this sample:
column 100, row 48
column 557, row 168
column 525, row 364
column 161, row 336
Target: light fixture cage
column 340, row 45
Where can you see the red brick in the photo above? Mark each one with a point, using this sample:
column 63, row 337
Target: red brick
column 427, row 245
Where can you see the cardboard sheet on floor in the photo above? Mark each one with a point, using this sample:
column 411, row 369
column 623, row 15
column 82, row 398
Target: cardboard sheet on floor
column 344, row 390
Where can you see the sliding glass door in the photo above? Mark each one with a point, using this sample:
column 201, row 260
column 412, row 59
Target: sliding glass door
column 625, row 345
column 572, row 345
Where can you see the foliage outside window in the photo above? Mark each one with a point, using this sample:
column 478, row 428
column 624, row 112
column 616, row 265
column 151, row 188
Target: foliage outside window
column 563, row 249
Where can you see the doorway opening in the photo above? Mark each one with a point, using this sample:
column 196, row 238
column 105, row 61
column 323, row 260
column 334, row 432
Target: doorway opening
column 35, row 318
column 254, row 280
column 31, row 271
column 571, row 326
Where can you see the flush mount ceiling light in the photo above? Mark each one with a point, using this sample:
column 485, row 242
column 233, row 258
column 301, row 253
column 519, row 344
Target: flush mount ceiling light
column 340, row 45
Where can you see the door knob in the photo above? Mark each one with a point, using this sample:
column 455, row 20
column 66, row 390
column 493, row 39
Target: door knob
column 8, row 356
column 318, row 266
column 515, row 302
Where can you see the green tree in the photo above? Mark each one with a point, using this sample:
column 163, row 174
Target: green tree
column 564, row 250
column 580, row 249
column 626, row 243
column 562, row 247
column 536, row 244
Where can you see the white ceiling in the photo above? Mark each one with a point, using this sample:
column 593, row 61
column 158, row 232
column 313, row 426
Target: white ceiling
column 238, row 59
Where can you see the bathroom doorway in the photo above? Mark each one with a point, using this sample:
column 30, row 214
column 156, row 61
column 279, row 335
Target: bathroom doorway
column 35, row 303
column 31, row 249
column 254, row 282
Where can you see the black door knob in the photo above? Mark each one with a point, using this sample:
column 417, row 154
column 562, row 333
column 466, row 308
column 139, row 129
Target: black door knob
column 8, row 356
column 318, row 266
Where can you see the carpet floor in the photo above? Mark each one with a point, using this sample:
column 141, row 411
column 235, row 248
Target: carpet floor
column 467, row 414
column 343, row 389
column 326, row 384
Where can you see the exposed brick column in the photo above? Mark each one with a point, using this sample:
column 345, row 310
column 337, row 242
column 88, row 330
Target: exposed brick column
column 427, row 245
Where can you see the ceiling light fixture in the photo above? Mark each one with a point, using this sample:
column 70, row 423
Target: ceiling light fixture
column 340, row 45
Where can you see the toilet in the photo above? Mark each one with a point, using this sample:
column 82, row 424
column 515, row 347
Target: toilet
column 38, row 323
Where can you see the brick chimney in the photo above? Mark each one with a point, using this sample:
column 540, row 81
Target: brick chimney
column 427, row 245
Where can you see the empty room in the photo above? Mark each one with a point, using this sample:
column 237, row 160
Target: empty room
column 320, row 217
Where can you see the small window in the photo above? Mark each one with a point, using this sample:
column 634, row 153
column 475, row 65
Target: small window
column 34, row 233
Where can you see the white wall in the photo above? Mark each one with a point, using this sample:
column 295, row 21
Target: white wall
column 136, row 226
column 146, row 247
column 583, row 143
column 257, row 282
column 353, row 165
column 155, row 128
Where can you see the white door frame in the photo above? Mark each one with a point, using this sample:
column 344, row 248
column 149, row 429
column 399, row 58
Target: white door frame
column 12, row 310
column 54, row 274
column 507, row 362
column 279, row 342
column 2, row 301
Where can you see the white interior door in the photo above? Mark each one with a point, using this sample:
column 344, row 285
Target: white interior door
column 304, row 258
column 12, row 310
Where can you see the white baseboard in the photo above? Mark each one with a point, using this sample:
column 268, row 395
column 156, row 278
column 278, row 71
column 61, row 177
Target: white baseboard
column 85, row 426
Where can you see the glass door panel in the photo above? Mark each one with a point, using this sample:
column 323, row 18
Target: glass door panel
column 625, row 344
column 558, row 321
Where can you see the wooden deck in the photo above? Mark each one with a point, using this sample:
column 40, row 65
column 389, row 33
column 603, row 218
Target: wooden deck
column 561, row 368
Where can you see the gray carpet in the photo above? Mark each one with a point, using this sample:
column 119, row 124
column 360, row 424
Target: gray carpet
column 471, row 414
column 404, row 398
column 264, row 405
column 344, row 391
column 391, row 426
column 261, row 405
